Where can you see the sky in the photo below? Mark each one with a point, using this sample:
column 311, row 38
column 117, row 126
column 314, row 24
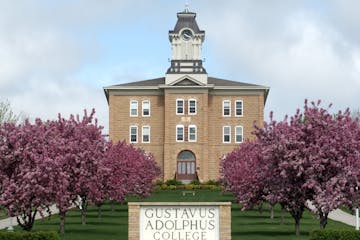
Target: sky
column 56, row 56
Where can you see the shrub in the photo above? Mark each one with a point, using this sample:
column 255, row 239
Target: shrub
column 331, row 234
column 29, row 236
column 212, row 182
column 195, row 182
column 172, row 187
column 164, row 186
column 157, row 188
column 189, row 186
column 173, row 182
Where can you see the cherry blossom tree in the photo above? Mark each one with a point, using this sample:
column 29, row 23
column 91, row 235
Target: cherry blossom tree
column 132, row 171
column 28, row 173
column 85, row 147
column 311, row 156
column 242, row 174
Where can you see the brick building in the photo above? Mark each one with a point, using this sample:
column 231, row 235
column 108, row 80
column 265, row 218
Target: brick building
column 186, row 119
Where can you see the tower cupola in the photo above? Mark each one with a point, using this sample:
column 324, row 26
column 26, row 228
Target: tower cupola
column 186, row 46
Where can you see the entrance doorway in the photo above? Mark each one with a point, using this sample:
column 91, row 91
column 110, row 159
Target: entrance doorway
column 186, row 165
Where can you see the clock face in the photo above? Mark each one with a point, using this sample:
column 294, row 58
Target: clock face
column 186, row 34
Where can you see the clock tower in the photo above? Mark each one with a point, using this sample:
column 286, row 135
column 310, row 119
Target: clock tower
column 186, row 44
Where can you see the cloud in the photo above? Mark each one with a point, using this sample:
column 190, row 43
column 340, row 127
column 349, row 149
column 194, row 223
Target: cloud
column 293, row 49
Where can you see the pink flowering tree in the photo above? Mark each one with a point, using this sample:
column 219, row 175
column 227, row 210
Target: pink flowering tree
column 242, row 174
column 85, row 147
column 312, row 156
column 29, row 176
column 132, row 171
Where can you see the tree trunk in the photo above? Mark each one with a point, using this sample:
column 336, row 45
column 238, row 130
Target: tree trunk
column 282, row 215
column 83, row 210
column 271, row 211
column 297, row 215
column 261, row 208
column 99, row 211
column 323, row 219
column 27, row 221
column 297, row 227
column 62, row 222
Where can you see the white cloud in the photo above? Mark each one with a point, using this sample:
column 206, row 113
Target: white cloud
column 297, row 53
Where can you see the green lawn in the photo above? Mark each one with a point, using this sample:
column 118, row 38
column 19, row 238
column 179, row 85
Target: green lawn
column 248, row 225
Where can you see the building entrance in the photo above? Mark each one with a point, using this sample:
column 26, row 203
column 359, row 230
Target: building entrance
column 186, row 165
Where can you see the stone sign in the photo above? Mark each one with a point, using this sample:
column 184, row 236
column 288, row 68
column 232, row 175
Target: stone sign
column 179, row 221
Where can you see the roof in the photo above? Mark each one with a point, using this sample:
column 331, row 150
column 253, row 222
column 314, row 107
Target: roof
column 186, row 20
column 211, row 80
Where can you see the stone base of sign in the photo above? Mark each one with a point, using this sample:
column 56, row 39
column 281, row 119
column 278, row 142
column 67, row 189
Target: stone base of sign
column 224, row 215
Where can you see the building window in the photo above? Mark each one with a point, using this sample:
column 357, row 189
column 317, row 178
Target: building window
column 133, row 108
column 238, row 108
column 192, row 106
column 226, row 108
column 238, row 134
column 133, row 134
column 146, row 134
column 226, row 134
column 146, row 108
column 180, row 133
column 192, row 133
column 179, row 106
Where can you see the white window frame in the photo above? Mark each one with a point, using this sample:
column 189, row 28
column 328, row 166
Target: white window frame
column 189, row 127
column 142, row 133
column 242, row 108
column 137, row 108
column 183, row 107
column 137, row 135
column 192, row 99
column 223, row 108
column 241, row 133
column 183, row 133
column 223, row 135
column 142, row 110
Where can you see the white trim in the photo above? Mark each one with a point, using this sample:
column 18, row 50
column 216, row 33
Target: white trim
column 192, row 126
column 223, row 107
column 176, row 133
column 176, row 110
column 192, row 99
column 142, row 108
column 242, row 108
column 223, row 135
column 137, row 135
column 142, row 133
column 137, row 108
column 242, row 134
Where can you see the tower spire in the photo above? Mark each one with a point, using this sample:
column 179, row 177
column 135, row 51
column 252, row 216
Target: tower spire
column 187, row 6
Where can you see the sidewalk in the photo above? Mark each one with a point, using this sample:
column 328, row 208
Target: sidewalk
column 5, row 223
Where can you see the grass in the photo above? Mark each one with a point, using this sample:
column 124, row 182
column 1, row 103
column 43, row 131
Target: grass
column 2, row 213
column 246, row 225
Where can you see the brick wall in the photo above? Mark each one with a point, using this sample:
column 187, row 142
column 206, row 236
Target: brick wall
column 208, row 149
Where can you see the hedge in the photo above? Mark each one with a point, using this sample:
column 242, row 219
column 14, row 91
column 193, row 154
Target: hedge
column 331, row 234
column 6, row 235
